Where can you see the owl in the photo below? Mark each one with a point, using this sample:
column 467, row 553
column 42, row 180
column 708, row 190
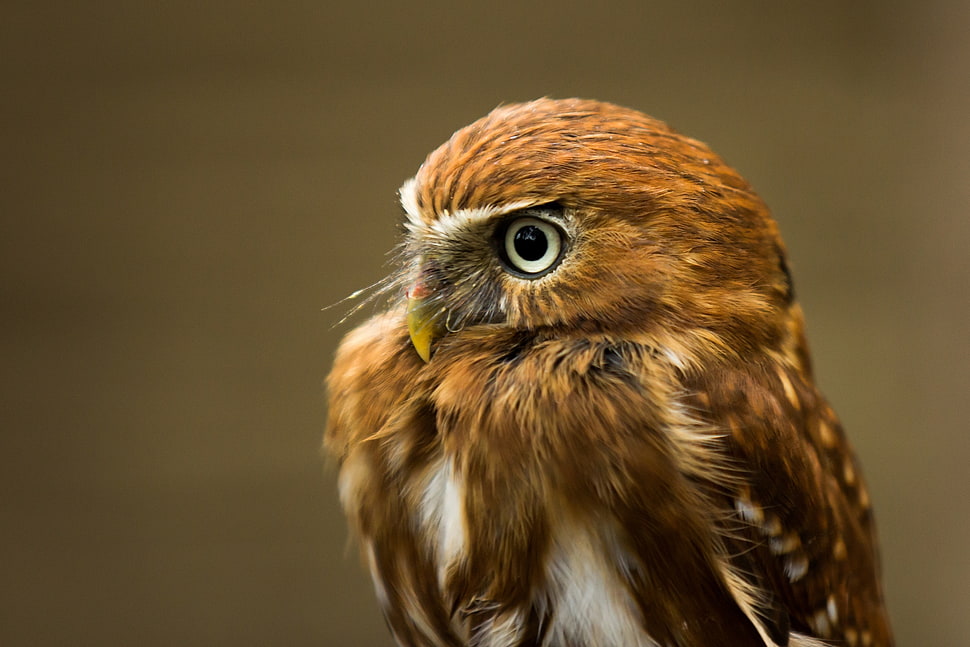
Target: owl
column 587, row 416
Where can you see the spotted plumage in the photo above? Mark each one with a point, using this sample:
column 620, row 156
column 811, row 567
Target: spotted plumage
column 587, row 416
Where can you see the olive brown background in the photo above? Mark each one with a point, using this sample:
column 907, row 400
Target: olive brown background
column 186, row 185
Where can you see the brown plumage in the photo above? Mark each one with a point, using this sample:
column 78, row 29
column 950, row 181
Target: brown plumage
column 617, row 439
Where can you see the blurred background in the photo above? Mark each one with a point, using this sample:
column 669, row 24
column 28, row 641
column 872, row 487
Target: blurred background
column 186, row 185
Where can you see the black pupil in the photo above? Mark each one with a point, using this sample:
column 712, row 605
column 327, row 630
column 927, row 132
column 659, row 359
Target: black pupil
column 530, row 243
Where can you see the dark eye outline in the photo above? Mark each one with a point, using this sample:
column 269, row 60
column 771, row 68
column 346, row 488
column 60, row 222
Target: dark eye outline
column 532, row 269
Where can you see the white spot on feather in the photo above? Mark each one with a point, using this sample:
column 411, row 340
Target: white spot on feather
column 820, row 623
column 832, row 610
column 784, row 544
column 749, row 511
column 354, row 474
column 839, row 550
column 827, row 434
column 674, row 358
column 786, row 385
column 592, row 605
column 796, row 567
column 442, row 516
column 848, row 472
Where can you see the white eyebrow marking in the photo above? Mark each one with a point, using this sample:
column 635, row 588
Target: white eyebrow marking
column 409, row 200
column 450, row 222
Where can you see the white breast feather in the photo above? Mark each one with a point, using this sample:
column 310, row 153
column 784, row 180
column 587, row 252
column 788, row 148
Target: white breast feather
column 592, row 605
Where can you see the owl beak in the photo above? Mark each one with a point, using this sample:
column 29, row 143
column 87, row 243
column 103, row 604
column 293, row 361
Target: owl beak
column 423, row 319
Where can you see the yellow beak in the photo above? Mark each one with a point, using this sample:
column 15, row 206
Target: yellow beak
column 423, row 325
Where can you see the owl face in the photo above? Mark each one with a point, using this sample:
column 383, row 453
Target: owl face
column 590, row 219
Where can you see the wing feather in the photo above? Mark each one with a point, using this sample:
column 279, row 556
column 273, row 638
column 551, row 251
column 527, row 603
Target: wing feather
column 802, row 525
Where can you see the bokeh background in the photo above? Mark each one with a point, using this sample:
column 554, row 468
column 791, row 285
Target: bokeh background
column 186, row 185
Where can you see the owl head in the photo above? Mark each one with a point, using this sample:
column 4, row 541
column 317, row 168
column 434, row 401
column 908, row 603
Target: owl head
column 558, row 216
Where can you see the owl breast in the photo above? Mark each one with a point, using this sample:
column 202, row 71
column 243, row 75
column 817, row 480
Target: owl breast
column 585, row 585
column 475, row 497
column 582, row 578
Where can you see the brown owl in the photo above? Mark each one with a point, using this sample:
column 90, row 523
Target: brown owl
column 588, row 416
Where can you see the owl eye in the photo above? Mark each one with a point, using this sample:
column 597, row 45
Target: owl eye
column 531, row 246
